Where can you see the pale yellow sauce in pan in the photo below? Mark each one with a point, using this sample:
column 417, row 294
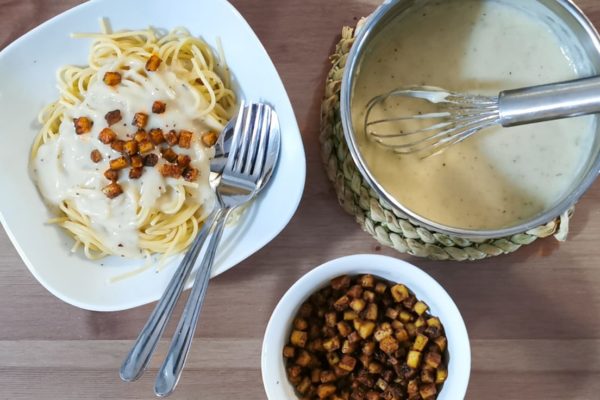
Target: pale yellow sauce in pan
column 501, row 175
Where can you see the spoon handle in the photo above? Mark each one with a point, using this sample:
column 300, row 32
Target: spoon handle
column 170, row 370
column 549, row 102
column 139, row 355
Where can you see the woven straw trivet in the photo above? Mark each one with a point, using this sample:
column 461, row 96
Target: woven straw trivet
column 378, row 218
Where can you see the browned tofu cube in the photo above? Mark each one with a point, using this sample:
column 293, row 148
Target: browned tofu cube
column 367, row 281
column 209, row 138
column 341, row 282
column 170, row 171
column 402, row 335
column 332, row 344
column 130, row 147
column 355, row 292
column 112, row 78
column 156, row 136
column 350, row 315
column 96, row 156
column 136, row 161
column 172, row 138
column 315, row 375
column 304, row 385
column 420, row 307
column 111, row 175
column 83, row 125
column 369, row 348
column 413, row 359
column 380, row 288
column 342, row 303
column 328, row 376
column 375, row 367
column 428, row 390
column 332, row 358
column 347, row 347
column 141, row 135
column 153, row 63
column 159, row 107
column 384, row 330
column 145, row 146
column 420, row 342
column 389, row 345
column 150, row 160
column 364, row 328
column 118, row 163
column 190, row 174
column 391, row 313
column 112, row 117
column 300, row 324
column 289, row 351
column 433, row 359
column 427, row 375
column 325, row 390
column 358, row 305
column 183, row 160
column 298, row 338
column 140, row 120
column 169, row 155
column 347, row 363
column 107, row 136
column 118, row 146
column 330, row 319
column 354, row 337
column 303, row 359
column 113, row 190
column 185, row 139
column 135, row 173
column 399, row 292
column 412, row 388
column 371, row 312
column 343, row 328
column 368, row 296
column 441, row 342
column 441, row 375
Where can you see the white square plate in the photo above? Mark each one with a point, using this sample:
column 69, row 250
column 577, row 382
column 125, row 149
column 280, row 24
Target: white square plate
column 27, row 70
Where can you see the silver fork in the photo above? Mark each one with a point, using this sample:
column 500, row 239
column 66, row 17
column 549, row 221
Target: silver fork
column 249, row 166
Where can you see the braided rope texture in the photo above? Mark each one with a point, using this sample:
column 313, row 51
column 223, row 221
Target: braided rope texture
column 380, row 219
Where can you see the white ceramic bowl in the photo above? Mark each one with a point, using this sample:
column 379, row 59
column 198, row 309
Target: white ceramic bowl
column 424, row 287
column 28, row 68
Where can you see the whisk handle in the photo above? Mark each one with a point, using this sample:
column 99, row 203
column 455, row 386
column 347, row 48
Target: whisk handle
column 549, row 102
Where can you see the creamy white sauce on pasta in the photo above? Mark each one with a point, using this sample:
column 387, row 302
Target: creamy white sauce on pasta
column 501, row 175
column 64, row 170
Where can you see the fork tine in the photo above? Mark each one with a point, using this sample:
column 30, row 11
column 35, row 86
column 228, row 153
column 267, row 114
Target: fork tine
column 252, row 147
column 249, row 125
column 237, row 133
column 262, row 148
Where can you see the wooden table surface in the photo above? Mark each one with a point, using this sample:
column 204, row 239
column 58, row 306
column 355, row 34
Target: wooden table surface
column 533, row 317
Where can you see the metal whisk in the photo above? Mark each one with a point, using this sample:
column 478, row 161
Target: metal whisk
column 437, row 118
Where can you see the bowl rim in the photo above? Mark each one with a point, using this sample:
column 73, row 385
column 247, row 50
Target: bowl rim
column 423, row 285
column 363, row 35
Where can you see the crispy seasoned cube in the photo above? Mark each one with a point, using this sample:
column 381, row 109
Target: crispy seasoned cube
column 364, row 328
column 413, row 360
column 433, row 359
column 153, row 63
column 130, row 147
column 156, row 136
column 298, row 338
column 96, row 156
column 183, row 160
column 328, row 376
column 141, row 135
column 170, row 171
column 371, row 312
column 118, row 146
column 140, row 120
column 315, row 375
column 209, row 139
column 145, row 146
column 330, row 319
column 300, row 324
column 169, row 155
column 112, row 78
column 397, row 325
column 289, row 351
column 420, row 342
column 441, row 375
column 389, row 345
column 325, row 390
column 150, row 160
column 113, row 190
column 384, row 330
column 358, row 305
column 172, row 137
column 341, row 282
column 185, row 139
column 399, row 292
column 332, row 358
column 303, row 359
column 391, row 313
column 294, row 371
column 107, row 136
column 347, row 347
column 441, row 343
column 350, row 315
column 343, row 328
column 380, row 288
column 381, row 384
column 428, row 375
column 368, row 296
column 136, row 161
column 159, row 107
column 354, row 337
column 420, row 307
column 342, row 303
column 409, row 302
column 83, row 125
column 332, row 344
column 405, row 316
column 111, row 175
column 375, row 367
column 355, row 291
column 433, row 332
column 412, row 388
column 367, row 281
column 420, row 324
column 304, row 385
column 411, row 329
column 433, row 321
column 112, row 117
column 118, row 163
column 428, row 390
column 347, row 363
column 369, row 348
column 190, row 174
column 135, row 173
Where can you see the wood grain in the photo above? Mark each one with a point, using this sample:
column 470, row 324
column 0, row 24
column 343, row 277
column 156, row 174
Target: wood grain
column 532, row 316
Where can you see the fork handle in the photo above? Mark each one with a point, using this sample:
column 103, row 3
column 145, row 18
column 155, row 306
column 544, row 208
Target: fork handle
column 139, row 355
column 170, row 370
column 549, row 102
